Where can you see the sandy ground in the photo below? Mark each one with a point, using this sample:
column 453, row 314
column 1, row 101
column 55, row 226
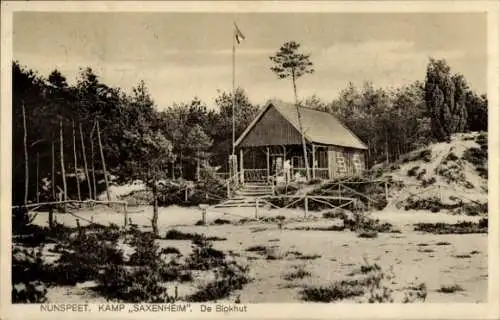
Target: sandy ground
column 414, row 257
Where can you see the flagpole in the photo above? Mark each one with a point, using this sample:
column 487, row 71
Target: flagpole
column 234, row 86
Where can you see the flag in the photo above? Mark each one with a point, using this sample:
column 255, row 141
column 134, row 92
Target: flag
column 237, row 34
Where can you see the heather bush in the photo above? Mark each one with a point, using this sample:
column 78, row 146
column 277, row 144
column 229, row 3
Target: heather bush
column 27, row 268
column 299, row 272
column 450, row 288
column 413, row 171
column 456, row 228
column 229, row 277
column 204, row 256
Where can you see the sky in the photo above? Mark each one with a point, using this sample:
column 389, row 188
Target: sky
column 185, row 55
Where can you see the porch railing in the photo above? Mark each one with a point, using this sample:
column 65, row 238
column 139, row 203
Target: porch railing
column 255, row 174
column 319, row 173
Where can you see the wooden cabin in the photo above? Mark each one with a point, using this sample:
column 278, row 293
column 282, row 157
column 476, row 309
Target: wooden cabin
column 273, row 137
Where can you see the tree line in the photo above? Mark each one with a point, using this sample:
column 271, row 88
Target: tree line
column 398, row 120
column 62, row 130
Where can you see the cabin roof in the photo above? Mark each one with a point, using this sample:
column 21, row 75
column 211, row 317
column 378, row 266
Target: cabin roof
column 319, row 126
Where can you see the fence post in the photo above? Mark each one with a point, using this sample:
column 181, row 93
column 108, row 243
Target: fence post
column 306, row 206
column 386, row 191
column 203, row 207
column 126, row 215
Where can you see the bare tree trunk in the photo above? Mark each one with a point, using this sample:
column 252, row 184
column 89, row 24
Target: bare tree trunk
column 63, row 172
column 37, row 177
column 53, row 177
column 154, row 221
column 386, row 149
column 93, row 166
column 87, row 175
column 26, row 164
column 76, row 163
column 304, row 146
column 103, row 162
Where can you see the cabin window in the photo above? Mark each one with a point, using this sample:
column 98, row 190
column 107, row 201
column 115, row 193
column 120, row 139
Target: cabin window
column 358, row 164
column 340, row 160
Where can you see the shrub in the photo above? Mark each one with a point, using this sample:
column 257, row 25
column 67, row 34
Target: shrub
column 428, row 182
column 27, row 269
column 413, row 171
column 338, row 290
column 228, row 278
column 367, row 234
column 421, row 174
column 204, row 256
column 142, row 284
column 456, row 228
column 415, row 293
column 146, row 250
column 479, row 158
column 451, row 157
column 30, row 292
column 334, row 214
column 175, row 234
column 85, row 257
column 432, row 204
column 219, row 221
column 426, row 155
column 259, row 249
column 298, row 273
column 443, row 243
column 170, row 250
column 309, row 257
column 450, row 288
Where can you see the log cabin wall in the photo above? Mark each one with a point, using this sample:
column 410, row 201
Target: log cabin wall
column 349, row 156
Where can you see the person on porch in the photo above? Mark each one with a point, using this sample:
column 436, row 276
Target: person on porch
column 287, row 168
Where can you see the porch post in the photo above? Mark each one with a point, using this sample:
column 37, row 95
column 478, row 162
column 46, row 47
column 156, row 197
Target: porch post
column 267, row 162
column 242, row 174
column 314, row 161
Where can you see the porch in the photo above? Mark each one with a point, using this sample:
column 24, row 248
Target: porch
column 266, row 164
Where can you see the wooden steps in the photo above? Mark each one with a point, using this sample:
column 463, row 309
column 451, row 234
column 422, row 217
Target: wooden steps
column 247, row 196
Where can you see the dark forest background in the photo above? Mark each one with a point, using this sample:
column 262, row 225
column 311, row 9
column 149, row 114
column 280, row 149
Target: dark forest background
column 134, row 131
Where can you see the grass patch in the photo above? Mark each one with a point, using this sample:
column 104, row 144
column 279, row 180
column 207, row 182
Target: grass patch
column 463, row 227
column 450, row 288
column 259, row 249
column 175, row 234
column 443, row 243
column 367, row 234
column 228, row 278
column 339, row 290
column 413, row 171
column 170, row 250
column 309, row 257
column 462, row 256
column 219, row 221
column 298, row 273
